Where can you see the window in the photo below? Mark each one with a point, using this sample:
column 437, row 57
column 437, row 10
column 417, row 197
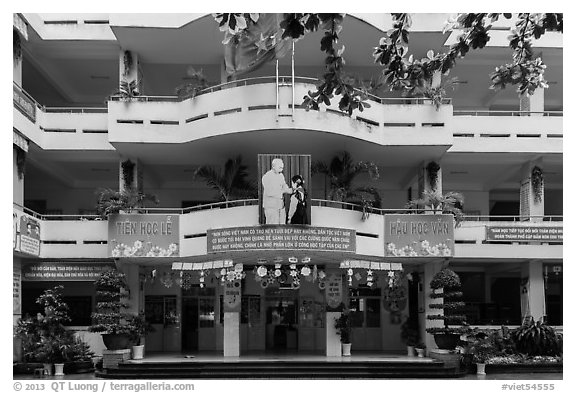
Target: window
column 207, row 315
column 553, row 285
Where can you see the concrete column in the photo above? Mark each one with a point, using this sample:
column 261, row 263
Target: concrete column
column 17, row 68
column 17, row 303
column 136, row 287
column 424, row 177
column 17, row 182
column 333, row 345
column 231, row 334
column 128, row 66
column 536, row 299
column 430, row 269
column 232, row 306
column 531, row 204
column 131, row 174
column 533, row 103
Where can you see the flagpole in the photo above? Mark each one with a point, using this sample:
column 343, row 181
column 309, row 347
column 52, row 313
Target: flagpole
column 277, row 89
column 293, row 85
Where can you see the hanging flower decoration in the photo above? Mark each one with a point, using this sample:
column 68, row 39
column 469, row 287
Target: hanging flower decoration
column 305, row 260
column 295, row 284
column 201, row 279
column 424, row 249
column 167, row 280
column 293, row 260
column 186, row 281
column 537, row 180
column 262, row 271
column 305, row 271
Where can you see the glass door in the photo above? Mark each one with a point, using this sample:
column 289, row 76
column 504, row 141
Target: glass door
column 365, row 318
column 281, row 323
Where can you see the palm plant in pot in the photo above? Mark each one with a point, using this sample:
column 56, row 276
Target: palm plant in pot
column 125, row 201
column 110, row 317
column 140, row 327
column 344, row 330
column 445, row 285
column 410, row 335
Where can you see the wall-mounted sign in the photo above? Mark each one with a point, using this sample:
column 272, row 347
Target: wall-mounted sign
column 64, row 271
column 419, row 235
column 143, row 235
column 281, row 237
column 232, row 296
column 524, row 234
column 24, row 104
column 25, row 233
column 334, row 290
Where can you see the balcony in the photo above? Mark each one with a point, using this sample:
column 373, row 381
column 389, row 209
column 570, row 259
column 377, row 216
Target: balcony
column 269, row 103
column 60, row 128
column 507, row 131
column 87, row 236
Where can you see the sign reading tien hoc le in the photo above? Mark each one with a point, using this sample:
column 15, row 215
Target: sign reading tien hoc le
column 419, row 235
column 143, row 235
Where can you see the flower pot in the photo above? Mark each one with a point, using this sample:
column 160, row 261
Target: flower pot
column 116, row 341
column 447, row 341
column 58, row 369
column 410, row 350
column 48, row 368
column 420, row 352
column 346, row 349
column 480, row 369
column 138, row 352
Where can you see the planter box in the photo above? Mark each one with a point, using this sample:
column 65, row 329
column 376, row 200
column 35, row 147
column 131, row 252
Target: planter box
column 524, row 368
column 85, row 366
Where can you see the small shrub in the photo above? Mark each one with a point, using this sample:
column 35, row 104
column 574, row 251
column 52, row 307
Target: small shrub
column 537, row 339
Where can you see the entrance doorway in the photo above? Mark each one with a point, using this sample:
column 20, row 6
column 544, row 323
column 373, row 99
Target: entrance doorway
column 282, row 323
column 189, row 324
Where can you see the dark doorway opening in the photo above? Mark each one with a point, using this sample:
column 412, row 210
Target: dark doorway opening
column 189, row 324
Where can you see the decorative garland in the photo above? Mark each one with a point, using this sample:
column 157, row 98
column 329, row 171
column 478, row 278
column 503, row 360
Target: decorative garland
column 128, row 173
column 432, row 170
column 537, row 180
column 20, row 162
column 16, row 46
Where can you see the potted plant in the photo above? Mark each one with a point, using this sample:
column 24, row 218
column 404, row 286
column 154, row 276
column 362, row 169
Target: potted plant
column 410, row 335
column 125, row 201
column 420, row 349
column 110, row 317
column 445, row 285
column 140, row 327
column 481, row 349
column 344, row 330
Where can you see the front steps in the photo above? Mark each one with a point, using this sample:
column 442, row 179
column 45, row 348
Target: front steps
column 281, row 369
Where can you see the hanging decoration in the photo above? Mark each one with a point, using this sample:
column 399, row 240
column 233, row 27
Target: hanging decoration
column 167, row 279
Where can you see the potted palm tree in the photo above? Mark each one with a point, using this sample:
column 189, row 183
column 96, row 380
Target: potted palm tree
column 342, row 171
column 344, row 330
column 125, row 201
column 438, row 203
column 140, row 327
column 230, row 183
column 445, row 285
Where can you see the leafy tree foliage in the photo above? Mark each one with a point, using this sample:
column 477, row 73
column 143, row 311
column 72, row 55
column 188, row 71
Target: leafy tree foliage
column 402, row 72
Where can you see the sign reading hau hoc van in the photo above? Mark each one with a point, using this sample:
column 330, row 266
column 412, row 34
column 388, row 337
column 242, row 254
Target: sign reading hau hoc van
column 419, row 235
column 143, row 235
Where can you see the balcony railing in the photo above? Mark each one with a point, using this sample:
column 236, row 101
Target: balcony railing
column 314, row 202
column 508, row 113
column 282, row 81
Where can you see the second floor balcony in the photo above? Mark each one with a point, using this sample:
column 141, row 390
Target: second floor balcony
column 478, row 237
